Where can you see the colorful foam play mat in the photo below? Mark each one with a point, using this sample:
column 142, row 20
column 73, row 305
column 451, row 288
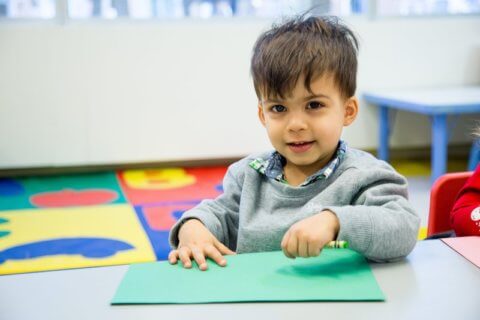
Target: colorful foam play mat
column 97, row 219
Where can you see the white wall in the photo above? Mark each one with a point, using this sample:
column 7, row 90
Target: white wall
column 103, row 93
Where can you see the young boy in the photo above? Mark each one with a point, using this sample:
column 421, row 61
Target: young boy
column 313, row 188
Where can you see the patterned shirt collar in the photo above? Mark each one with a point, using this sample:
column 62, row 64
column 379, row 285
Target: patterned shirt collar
column 272, row 167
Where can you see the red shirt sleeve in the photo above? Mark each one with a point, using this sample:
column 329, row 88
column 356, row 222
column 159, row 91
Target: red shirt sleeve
column 465, row 215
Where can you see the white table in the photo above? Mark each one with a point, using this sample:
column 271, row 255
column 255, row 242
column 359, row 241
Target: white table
column 434, row 282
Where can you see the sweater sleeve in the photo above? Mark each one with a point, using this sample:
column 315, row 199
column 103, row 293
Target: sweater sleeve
column 220, row 216
column 465, row 215
column 380, row 223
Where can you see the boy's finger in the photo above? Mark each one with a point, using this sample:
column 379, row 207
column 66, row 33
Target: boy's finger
column 291, row 249
column 173, row 256
column 223, row 248
column 303, row 248
column 184, row 254
column 215, row 255
column 199, row 258
column 313, row 250
column 284, row 242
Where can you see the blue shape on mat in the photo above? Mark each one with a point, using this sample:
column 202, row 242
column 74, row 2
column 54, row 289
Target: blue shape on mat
column 219, row 187
column 178, row 213
column 162, row 246
column 87, row 247
column 3, row 220
column 10, row 187
column 158, row 239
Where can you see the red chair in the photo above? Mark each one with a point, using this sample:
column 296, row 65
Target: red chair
column 442, row 198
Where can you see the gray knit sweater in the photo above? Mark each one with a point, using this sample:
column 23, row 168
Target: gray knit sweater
column 368, row 196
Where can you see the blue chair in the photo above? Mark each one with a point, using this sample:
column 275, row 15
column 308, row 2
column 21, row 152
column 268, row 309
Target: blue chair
column 474, row 155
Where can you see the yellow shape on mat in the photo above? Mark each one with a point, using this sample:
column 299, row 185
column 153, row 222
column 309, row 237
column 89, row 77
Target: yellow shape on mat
column 422, row 233
column 161, row 179
column 111, row 223
column 416, row 168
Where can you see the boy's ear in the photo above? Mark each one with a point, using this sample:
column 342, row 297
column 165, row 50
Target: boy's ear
column 261, row 115
column 351, row 110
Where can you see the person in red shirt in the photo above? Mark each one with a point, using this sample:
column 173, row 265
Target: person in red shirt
column 465, row 215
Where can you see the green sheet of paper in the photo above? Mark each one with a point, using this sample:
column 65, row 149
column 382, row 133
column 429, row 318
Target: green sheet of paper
column 336, row 275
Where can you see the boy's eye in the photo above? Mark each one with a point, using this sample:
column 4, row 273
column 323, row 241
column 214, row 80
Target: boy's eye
column 278, row 108
column 314, row 105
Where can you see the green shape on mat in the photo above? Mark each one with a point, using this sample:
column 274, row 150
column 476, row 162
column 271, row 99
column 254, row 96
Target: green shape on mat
column 77, row 182
column 336, row 275
column 4, row 233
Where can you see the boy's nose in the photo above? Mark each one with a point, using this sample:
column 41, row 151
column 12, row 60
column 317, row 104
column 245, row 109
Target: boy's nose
column 296, row 123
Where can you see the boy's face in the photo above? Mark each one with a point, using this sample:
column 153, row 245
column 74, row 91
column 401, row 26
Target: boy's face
column 306, row 127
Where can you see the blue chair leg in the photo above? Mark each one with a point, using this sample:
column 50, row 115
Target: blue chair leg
column 439, row 146
column 474, row 155
column 383, row 133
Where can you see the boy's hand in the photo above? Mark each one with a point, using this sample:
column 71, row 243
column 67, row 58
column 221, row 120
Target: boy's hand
column 197, row 242
column 307, row 237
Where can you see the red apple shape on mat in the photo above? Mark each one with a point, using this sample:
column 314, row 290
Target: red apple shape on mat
column 73, row 198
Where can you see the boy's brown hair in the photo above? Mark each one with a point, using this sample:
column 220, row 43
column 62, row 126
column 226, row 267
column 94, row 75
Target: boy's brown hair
column 304, row 45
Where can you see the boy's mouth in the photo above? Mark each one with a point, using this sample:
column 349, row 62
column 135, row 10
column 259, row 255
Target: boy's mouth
column 300, row 146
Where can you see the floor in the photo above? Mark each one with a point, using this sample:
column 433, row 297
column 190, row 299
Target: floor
column 419, row 195
column 418, row 176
